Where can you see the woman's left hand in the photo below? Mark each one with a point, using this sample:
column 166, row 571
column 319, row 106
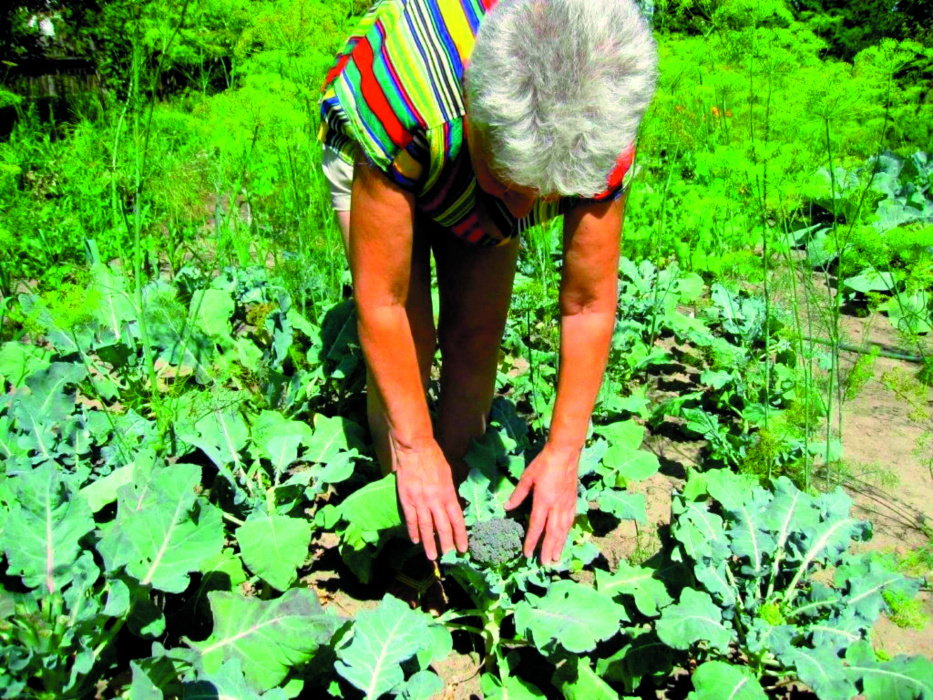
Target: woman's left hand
column 552, row 476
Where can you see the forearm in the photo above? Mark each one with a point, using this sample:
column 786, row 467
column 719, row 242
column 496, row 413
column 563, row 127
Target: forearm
column 387, row 343
column 588, row 301
column 381, row 244
column 584, row 352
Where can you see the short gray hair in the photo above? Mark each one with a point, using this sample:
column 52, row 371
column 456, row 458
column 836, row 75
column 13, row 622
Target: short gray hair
column 558, row 88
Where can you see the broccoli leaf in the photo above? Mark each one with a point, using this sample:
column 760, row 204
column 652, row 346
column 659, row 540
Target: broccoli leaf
column 695, row 618
column 716, row 680
column 382, row 640
column 509, row 688
column 274, row 546
column 700, row 531
column 822, row 670
column 574, row 615
column 649, row 592
column 332, row 436
column 901, row 678
column 42, row 532
column 623, row 504
column 267, row 636
column 644, row 656
column 577, row 681
column 163, row 530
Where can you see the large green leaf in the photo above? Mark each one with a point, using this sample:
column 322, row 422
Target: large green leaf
column 43, row 529
column 577, row 680
column 866, row 581
column 103, row 491
column 695, row 618
column 171, row 332
column 623, row 465
column 716, row 580
column 750, row 537
column 509, row 688
column 382, row 640
column 374, row 507
column 222, row 435
column 574, row 615
column 274, row 546
column 114, row 306
column 163, row 532
column 790, row 510
column 623, row 504
column 901, row 678
column 484, row 501
column 724, row 485
column 211, row 310
column 229, row 683
column 909, row 312
column 644, row 656
column 871, row 280
column 269, row 637
column 423, row 685
column 272, row 432
column 626, row 433
column 700, row 531
column 47, row 402
column 717, row 680
column 822, row 670
column 639, row 582
column 10, row 448
column 330, row 436
column 19, row 361
column 142, row 687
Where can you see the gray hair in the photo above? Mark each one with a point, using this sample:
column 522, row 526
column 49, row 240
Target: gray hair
column 558, row 88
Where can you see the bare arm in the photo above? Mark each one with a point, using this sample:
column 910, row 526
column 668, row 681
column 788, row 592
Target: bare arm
column 381, row 235
column 588, row 299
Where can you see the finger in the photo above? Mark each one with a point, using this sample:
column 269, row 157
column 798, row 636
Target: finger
column 547, row 546
column 520, row 493
column 411, row 522
column 563, row 533
column 442, row 526
column 456, row 519
column 427, row 533
column 554, row 538
column 535, row 527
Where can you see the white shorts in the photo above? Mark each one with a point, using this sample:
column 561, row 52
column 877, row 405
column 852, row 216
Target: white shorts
column 339, row 176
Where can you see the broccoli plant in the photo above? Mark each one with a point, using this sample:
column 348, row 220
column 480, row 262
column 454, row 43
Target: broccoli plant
column 773, row 577
column 491, row 573
column 498, row 579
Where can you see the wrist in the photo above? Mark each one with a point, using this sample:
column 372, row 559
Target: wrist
column 411, row 442
column 568, row 435
column 568, row 448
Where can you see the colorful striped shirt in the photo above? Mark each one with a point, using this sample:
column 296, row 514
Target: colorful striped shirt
column 395, row 93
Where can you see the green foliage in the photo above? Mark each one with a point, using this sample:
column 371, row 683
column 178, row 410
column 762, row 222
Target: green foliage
column 105, row 511
column 571, row 615
column 905, row 612
column 385, row 638
column 173, row 443
column 267, row 637
column 755, row 556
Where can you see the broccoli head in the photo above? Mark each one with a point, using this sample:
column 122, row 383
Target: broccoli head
column 497, row 541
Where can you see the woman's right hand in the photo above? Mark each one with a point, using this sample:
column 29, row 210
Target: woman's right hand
column 428, row 497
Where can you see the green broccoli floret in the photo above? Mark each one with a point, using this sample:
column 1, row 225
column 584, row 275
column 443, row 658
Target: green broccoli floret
column 497, row 541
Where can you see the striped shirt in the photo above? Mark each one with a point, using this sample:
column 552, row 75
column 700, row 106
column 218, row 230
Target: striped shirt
column 395, row 93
